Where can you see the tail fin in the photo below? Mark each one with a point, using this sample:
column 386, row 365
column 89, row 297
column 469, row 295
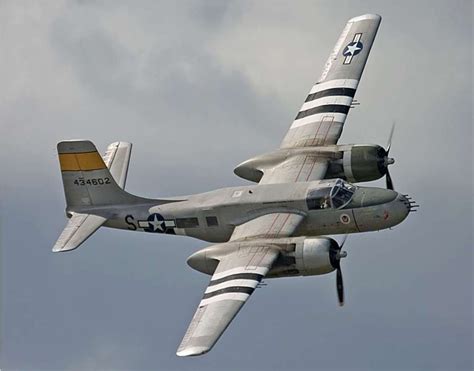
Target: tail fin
column 117, row 159
column 87, row 180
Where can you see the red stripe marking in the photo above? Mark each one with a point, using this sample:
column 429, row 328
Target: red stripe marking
column 287, row 217
column 301, row 169
column 312, row 167
column 274, row 220
column 315, row 140
column 327, row 132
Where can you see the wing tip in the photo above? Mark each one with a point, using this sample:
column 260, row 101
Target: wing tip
column 365, row 17
column 192, row 351
column 61, row 248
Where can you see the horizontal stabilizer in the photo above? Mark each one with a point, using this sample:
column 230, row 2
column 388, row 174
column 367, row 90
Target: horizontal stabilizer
column 78, row 229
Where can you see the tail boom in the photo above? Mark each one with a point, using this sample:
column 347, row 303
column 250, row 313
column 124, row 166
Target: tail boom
column 93, row 189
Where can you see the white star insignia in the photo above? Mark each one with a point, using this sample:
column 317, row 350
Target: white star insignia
column 351, row 49
column 156, row 224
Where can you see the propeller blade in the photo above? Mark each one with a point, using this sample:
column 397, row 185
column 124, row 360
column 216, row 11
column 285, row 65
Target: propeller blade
column 389, row 181
column 340, row 286
column 341, row 245
column 389, row 142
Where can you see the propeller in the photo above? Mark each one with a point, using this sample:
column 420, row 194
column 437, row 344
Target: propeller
column 388, row 160
column 336, row 254
column 389, row 181
column 389, row 142
column 340, row 286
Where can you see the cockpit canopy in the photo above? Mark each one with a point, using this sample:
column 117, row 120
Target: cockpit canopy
column 330, row 194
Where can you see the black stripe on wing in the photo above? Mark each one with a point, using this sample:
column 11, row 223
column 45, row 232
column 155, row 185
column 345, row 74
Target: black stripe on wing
column 242, row 289
column 327, row 108
column 238, row 276
column 348, row 92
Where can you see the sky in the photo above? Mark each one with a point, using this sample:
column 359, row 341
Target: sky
column 198, row 87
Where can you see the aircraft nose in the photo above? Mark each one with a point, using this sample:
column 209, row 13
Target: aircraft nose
column 401, row 207
column 405, row 209
column 374, row 196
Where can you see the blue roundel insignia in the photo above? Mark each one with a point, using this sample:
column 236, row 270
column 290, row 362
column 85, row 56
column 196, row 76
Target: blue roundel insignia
column 352, row 49
column 156, row 223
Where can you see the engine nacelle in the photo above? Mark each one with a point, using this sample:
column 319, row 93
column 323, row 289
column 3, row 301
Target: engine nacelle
column 313, row 256
column 352, row 162
column 360, row 163
column 309, row 257
column 299, row 256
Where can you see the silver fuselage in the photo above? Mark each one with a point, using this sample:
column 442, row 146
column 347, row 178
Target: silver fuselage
column 212, row 216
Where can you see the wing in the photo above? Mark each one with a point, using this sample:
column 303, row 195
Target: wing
column 234, row 280
column 78, row 229
column 117, row 159
column 321, row 118
column 273, row 225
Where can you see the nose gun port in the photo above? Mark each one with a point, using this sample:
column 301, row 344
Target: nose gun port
column 411, row 204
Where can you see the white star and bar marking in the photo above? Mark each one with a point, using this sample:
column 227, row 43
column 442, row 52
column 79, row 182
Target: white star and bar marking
column 352, row 49
column 156, row 224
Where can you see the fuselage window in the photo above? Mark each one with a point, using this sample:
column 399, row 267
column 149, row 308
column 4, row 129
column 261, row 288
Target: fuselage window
column 211, row 221
column 187, row 223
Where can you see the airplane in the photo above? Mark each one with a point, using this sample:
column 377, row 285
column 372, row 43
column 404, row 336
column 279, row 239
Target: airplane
column 278, row 226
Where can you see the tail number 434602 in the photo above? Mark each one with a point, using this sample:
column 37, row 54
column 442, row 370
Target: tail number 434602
column 94, row 181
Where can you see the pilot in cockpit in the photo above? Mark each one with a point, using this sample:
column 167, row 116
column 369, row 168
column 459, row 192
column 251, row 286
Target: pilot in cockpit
column 324, row 203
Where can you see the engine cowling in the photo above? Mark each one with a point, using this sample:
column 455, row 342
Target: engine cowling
column 360, row 163
column 308, row 257
column 315, row 256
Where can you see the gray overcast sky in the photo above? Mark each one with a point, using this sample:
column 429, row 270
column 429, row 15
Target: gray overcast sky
column 199, row 87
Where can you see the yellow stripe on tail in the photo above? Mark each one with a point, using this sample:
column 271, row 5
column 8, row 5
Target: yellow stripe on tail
column 84, row 161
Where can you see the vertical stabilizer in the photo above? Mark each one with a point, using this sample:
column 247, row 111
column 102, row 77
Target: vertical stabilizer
column 117, row 159
column 87, row 180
